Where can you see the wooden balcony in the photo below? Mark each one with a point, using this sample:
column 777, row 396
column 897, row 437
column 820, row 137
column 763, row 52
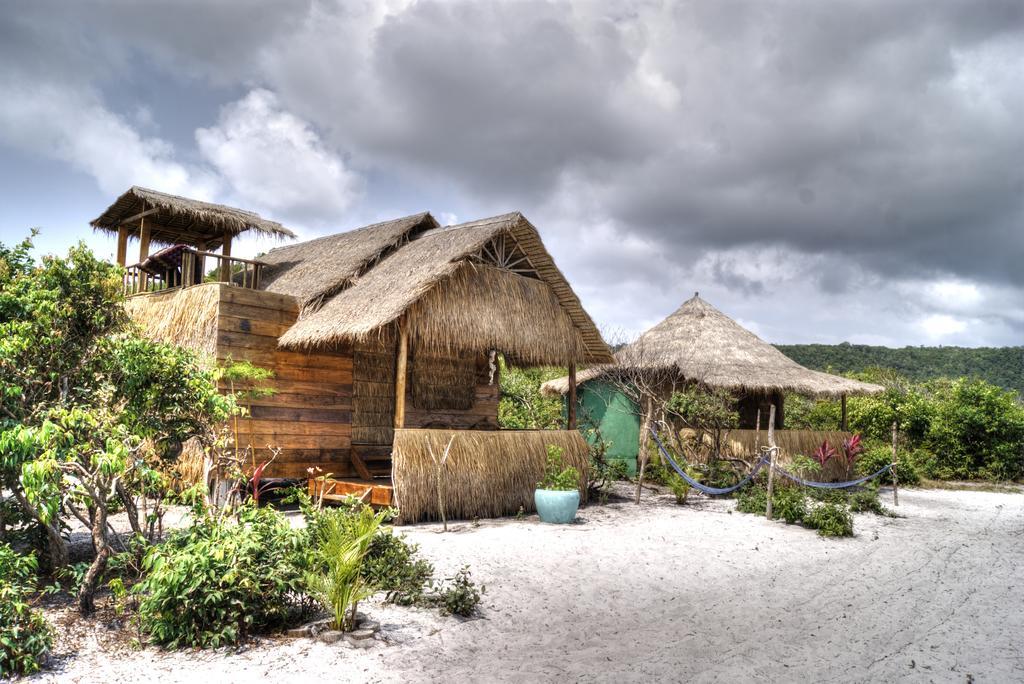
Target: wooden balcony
column 182, row 266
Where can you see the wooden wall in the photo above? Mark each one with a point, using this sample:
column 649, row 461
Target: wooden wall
column 309, row 415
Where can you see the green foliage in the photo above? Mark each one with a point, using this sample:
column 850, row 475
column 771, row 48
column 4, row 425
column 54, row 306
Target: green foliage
column 603, row 470
column 680, row 488
column 948, row 429
column 701, row 408
column 866, row 501
column 522, row 406
column 336, row 580
column 877, row 457
column 789, row 504
column 830, row 519
column 752, row 499
column 25, row 636
column 459, row 595
column 392, row 565
column 1001, row 366
column 557, row 475
column 221, row 579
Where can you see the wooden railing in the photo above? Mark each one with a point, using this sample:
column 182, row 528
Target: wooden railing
column 192, row 271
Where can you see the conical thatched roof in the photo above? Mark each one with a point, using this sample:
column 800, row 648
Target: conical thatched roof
column 173, row 219
column 702, row 344
column 353, row 286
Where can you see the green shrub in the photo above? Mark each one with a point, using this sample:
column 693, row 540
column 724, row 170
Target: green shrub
column 752, row 499
column 460, row 595
column 222, row 579
column 875, row 458
column 25, row 636
column 679, row 487
column 557, row 475
column 830, row 519
column 789, row 504
column 391, row 565
column 866, row 501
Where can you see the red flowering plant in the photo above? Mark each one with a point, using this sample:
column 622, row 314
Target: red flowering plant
column 852, row 449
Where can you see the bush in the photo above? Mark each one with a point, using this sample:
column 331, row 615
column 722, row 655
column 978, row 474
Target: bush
column 789, row 504
column 679, row 487
column 866, row 501
column 830, row 519
column 460, row 596
column 222, row 579
column 753, row 499
column 878, row 457
column 25, row 636
column 557, row 475
column 391, row 565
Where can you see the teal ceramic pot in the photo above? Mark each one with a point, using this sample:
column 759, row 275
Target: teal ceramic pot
column 556, row 506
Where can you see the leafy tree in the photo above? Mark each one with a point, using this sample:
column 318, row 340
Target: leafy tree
column 88, row 410
column 522, row 406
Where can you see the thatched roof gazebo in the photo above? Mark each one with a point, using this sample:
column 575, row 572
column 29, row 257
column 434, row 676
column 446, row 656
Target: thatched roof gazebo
column 700, row 344
column 159, row 218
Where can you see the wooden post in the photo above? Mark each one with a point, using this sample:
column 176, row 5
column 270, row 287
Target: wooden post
column 757, row 434
column 143, row 252
column 895, row 481
column 771, row 468
column 842, row 422
column 225, row 264
column 122, row 245
column 200, row 263
column 400, row 373
column 570, row 422
column 642, row 457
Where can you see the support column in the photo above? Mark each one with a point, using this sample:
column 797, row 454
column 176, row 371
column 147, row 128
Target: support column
column 225, row 265
column 143, row 251
column 771, row 465
column 200, row 264
column 400, row 372
column 122, row 245
column 842, row 423
column 570, row 423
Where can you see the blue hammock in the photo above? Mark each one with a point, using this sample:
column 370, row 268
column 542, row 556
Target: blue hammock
column 726, row 490
column 832, row 485
column 714, row 491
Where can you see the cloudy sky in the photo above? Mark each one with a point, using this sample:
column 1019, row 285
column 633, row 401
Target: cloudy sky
column 821, row 171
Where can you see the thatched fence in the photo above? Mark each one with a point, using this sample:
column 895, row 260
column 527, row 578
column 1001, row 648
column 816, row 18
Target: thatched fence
column 488, row 473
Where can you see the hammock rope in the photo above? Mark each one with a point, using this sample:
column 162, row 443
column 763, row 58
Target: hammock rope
column 716, row 491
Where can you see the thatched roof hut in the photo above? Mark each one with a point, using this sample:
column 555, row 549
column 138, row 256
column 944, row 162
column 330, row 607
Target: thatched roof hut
column 487, row 284
column 171, row 219
column 699, row 343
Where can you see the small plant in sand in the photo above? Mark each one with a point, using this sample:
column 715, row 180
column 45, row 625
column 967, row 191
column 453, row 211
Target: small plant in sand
column 338, row 584
column 558, row 476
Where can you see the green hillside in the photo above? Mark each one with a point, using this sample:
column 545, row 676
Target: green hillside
column 1003, row 366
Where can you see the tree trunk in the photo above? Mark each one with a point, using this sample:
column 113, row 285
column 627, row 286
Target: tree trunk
column 130, row 508
column 87, row 592
column 56, row 548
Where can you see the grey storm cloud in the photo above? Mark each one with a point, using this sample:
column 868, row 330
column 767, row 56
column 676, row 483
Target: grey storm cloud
column 858, row 142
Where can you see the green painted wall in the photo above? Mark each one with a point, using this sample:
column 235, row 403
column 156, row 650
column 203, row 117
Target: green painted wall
column 602, row 406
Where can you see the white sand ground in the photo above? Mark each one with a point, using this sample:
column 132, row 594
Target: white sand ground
column 667, row 593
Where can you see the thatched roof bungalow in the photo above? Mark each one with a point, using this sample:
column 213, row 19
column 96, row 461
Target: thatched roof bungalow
column 383, row 344
column 700, row 344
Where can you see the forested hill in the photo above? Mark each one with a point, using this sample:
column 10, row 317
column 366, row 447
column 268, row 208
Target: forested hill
column 1002, row 366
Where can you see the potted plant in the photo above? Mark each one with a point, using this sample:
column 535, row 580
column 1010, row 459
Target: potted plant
column 558, row 495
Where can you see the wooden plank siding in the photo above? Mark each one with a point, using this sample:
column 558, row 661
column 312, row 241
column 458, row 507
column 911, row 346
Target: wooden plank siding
column 309, row 414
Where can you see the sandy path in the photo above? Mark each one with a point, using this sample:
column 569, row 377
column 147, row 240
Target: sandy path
column 698, row 593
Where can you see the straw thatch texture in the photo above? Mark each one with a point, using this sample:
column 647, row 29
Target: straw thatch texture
column 701, row 344
column 444, row 382
column 488, row 473
column 385, row 292
column 373, row 393
column 314, row 270
column 746, row 444
column 186, row 317
column 180, row 219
